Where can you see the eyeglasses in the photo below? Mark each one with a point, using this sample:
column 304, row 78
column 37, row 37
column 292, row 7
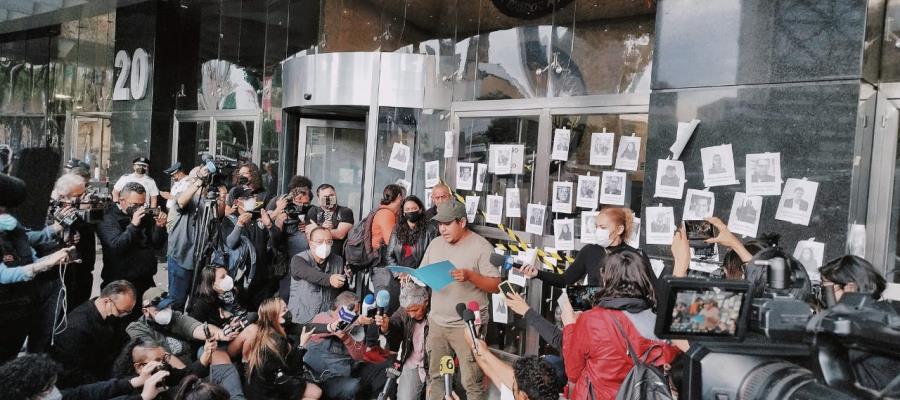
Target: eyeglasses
column 119, row 312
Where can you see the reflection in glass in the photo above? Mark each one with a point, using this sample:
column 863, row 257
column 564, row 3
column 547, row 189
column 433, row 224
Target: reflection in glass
column 234, row 140
column 193, row 140
column 395, row 126
column 226, row 86
column 92, row 144
column 333, row 155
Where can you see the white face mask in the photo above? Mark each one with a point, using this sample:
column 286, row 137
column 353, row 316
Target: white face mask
column 163, row 317
column 53, row 394
column 603, row 237
column 226, row 284
column 322, row 251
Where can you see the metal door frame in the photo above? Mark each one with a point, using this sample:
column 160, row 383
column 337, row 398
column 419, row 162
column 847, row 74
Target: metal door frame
column 255, row 116
column 72, row 119
column 321, row 123
column 881, row 186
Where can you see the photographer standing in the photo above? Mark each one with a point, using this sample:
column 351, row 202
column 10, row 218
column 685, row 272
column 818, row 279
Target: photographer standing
column 329, row 215
column 289, row 236
column 72, row 229
column 247, row 243
column 130, row 235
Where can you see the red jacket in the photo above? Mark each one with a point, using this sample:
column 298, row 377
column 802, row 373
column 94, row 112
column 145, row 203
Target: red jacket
column 595, row 353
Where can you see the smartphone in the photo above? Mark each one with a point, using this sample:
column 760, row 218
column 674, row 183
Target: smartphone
column 699, row 231
column 507, row 287
column 582, row 298
column 206, row 330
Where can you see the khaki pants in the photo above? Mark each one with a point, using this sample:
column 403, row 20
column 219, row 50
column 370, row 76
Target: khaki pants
column 443, row 341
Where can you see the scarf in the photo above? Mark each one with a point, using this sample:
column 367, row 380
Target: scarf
column 633, row 306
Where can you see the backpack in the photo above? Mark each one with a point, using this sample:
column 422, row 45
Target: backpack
column 358, row 251
column 645, row 380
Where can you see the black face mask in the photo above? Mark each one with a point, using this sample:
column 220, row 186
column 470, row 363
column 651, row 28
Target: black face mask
column 414, row 216
column 140, row 170
column 288, row 317
column 243, row 180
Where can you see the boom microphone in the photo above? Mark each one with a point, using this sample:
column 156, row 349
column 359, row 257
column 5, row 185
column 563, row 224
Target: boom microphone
column 382, row 300
column 447, row 371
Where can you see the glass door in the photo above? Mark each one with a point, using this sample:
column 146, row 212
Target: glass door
column 90, row 142
column 231, row 135
column 333, row 152
column 193, row 141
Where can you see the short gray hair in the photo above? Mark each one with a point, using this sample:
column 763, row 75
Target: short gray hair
column 346, row 298
column 132, row 187
column 66, row 183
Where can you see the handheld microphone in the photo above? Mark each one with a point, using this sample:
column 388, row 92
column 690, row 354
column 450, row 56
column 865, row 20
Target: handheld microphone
column 475, row 308
column 382, row 300
column 347, row 317
column 469, row 318
column 447, row 371
column 243, row 322
column 368, row 306
column 498, row 260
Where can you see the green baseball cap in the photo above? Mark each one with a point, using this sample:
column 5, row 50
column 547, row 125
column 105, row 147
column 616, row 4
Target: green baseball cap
column 450, row 211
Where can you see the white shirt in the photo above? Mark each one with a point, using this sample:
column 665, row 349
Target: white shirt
column 145, row 180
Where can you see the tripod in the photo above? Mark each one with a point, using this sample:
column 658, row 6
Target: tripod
column 207, row 227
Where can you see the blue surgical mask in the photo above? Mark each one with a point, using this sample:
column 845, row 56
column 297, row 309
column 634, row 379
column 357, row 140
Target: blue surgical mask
column 8, row 222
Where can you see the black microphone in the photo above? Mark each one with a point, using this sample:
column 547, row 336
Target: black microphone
column 497, row 260
column 243, row 322
column 469, row 318
column 393, row 373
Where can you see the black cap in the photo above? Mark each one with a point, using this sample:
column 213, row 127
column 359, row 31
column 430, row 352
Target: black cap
column 173, row 169
column 76, row 163
column 141, row 160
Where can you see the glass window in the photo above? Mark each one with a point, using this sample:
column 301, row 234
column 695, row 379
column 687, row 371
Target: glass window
column 234, row 140
column 393, row 155
column 193, row 140
column 91, row 144
column 334, row 155
column 429, row 147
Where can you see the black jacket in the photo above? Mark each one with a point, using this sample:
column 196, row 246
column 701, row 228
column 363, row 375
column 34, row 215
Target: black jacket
column 129, row 252
column 400, row 333
column 98, row 391
column 394, row 252
column 87, row 347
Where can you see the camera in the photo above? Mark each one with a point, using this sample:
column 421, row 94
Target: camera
column 295, row 212
column 89, row 208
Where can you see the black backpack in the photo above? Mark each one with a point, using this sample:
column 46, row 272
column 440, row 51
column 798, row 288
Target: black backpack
column 645, row 381
column 358, row 251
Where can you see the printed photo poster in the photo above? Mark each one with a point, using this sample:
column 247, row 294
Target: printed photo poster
column 698, row 205
column 745, row 213
column 432, row 173
column 564, row 233
column 480, row 177
column 764, row 174
column 407, row 186
column 399, row 157
column 635, row 239
column 811, row 254
column 797, row 201
column 449, row 144
column 500, row 159
column 499, row 311
column 718, row 166
column 589, row 227
column 661, row 225
column 465, row 174
column 602, row 144
column 534, row 222
column 588, row 192
column 513, row 205
column 613, row 188
column 517, row 165
column 629, row 153
column 670, row 179
column 427, row 199
column 561, row 137
column 472, row 207
column 562, row 197
column 494, row 209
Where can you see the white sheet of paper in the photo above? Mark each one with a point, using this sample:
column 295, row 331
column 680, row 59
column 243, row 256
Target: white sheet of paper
column 465, row 175
column 797, row 201
column 629, row 154
column 494, row 209
column 517, row 278
column 427, row 199
column 506, row 393
column 698, row 204
column 500, row 312
column 432, row 173
column 480, row 177
column 449, row 144
column 856, row 240
column 811, row 254
column 718, row 166
column 500, row 159
column 535, row 221
column 763, row 174
column 682, row 135
column 527, row 257
column 564, row 233
column 513, row 205
column 635, row 240
column 657, row 265
column 745, row 214
column 602, row 145
column 589, row 227
column 588, row 192
column 405, row 183
column 670, row 179
column 660, row 225
column 472, row 207
column 613, row 188
column 561, row 137
column 562, row 197
column 518, row 159
column 399, row 157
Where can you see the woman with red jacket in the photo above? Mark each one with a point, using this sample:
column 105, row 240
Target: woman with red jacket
column 594, row 350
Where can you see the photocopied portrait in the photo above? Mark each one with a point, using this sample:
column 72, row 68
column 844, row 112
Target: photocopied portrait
column 480, row 177
column 670, row 179
column 797, row 201
column 660, row 225
column 465, row 174
column 589, row 226
column 698, row 205
column 763, row 174
column 432, row 173
column 811, row 254
column 564, row 233
column 472, row 207
column 499, row 311
column 613, row 188
column 517, row 163
column 399, row 157
column 513, row 208
column 588, row 192
column 629, row 153
column 561, row 137
column 501, row 159
column 494, row 213
column 718, row 166
column 535, row 219
column 562, row 197
column 602, row 148
column 745, row 214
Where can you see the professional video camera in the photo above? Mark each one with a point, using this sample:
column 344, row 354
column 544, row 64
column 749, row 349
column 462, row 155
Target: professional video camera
column 762, row 341
column 220, row 169
column 89, row 208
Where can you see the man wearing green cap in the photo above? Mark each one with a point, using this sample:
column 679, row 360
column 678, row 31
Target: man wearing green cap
column 474, row 279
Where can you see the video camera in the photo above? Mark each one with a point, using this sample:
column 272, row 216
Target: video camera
column 761, row 340
column 89, row 208
column 220, row 169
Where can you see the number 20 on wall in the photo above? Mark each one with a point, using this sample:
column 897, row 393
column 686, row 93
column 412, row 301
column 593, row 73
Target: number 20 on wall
column 139, row 68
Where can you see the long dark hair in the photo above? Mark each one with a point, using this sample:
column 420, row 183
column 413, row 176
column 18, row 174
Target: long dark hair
column 405, row 235
column 626, row 275
column 391, row 193
column 856, row 270
column 123, row 367
column 732, row 263
column 193, row 388
column 255, row 177
column 207, row 280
